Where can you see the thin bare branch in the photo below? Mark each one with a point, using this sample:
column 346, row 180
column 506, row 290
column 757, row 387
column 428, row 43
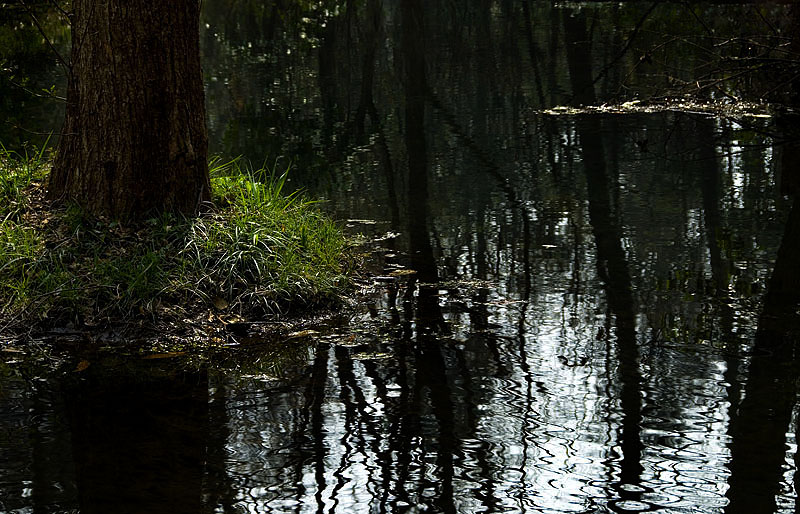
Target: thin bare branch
column 31, row 92
column 782, row 84
column 766, row 21
column 67, row 67
column 628, row 43
column 689, row 7
column 28, row 131
column 61, row 10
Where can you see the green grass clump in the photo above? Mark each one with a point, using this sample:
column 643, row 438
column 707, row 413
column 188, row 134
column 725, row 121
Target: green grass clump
column 263, row 246
column 257, row 252
column 18, row 172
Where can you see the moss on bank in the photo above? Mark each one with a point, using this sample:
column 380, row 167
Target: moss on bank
column 258, row 252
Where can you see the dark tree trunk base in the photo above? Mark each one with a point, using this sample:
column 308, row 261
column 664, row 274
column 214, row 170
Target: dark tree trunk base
column 134, row 140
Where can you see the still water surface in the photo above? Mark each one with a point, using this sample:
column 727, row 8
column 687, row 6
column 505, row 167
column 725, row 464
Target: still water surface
column 591, row 325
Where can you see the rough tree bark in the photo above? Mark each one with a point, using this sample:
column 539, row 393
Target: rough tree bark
column 134, row 139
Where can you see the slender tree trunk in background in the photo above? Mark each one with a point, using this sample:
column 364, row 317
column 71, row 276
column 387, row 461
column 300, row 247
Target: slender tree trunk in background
column 794, row 47
column 134, row 139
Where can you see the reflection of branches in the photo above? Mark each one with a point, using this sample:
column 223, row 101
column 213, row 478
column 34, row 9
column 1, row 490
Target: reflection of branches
column 758, row 431
column 315, row 398
column 345, row 366
column 384, row 455
column 479, row 153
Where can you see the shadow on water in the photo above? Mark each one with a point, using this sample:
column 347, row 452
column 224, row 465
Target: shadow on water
column 421, row 299
column 138, row 440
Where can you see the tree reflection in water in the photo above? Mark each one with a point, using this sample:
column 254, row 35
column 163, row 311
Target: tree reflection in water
column 592, row 325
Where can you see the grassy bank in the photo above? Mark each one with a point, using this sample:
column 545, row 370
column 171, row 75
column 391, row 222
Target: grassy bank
column 259, row 252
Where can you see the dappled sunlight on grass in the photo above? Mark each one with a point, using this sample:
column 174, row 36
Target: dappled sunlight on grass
column 257, row 251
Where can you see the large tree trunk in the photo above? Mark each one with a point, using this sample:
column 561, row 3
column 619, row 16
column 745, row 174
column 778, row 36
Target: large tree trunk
column 134, row 140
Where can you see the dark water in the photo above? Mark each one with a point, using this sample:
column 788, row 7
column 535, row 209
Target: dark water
column 604, row 309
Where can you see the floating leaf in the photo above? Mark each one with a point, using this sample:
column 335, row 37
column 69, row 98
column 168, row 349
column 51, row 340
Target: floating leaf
column 386, row 236
column 402, row 272
column 350, row 340
column 302, row 333
column 167, row 355
column 364, row 356
column 82, row 365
